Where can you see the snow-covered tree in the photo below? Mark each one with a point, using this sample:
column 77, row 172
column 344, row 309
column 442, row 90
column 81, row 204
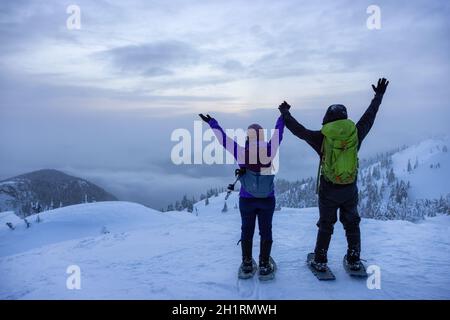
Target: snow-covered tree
column 225, row 207
column 391, row 176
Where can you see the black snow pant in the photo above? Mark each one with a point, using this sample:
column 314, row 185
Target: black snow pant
column 331, row 198
column 252, row 208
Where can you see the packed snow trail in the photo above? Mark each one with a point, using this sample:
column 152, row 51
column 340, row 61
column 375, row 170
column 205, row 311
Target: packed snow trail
column 152, row 255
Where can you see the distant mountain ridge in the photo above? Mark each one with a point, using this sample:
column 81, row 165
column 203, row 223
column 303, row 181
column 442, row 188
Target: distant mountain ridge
column 47, row 188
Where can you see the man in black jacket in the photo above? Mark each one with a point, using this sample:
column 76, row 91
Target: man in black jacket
column 337, row 196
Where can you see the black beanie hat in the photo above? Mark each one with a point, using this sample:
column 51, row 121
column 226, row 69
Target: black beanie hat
column 335, row 112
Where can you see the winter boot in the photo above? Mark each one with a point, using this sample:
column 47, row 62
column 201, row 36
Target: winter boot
column 320, row 260
column 266, row 264
column 352, row 259
column 320, row 252
column 247, row 260
column 354, row 248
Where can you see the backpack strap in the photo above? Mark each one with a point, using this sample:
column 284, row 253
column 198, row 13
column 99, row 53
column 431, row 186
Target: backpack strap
column 320, row 166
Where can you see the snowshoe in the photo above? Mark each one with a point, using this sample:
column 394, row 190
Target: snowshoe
column 355, row 268
column 324, row 274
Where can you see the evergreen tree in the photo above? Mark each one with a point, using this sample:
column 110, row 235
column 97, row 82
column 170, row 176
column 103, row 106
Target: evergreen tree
column 184, row 202
column 190, row 207
column 391, row 176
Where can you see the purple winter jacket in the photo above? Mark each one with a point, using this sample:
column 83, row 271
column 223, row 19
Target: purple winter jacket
column 241, row 154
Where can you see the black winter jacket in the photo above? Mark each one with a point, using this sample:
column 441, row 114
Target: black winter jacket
column 315, row 138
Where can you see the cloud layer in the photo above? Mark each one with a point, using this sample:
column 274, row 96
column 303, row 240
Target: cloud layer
column 102, row 101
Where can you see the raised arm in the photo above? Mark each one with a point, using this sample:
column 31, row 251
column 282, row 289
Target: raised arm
column 366, row 122
column 313, row 137
column 276, row 138
column 229, row 144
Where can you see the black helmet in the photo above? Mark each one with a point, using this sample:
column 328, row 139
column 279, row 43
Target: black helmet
column 335, row 112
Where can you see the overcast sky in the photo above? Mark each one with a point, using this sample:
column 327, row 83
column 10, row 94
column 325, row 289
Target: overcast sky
column 101, row 102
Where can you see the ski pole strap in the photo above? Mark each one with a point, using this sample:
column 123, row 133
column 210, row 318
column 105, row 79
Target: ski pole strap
column 239, row 172
column 231, row 188
column 231, row 185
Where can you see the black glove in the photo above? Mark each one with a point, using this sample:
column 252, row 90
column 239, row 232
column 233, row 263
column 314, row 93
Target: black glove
column 284, row 107
column 206, row 118
column 381, row 86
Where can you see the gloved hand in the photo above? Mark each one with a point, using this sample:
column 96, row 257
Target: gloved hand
column 381, row 86
column 284, row 107
column 206, row 118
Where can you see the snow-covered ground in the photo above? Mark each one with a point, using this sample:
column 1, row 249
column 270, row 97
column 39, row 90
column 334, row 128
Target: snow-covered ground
column 152, row 255
column 430, row 179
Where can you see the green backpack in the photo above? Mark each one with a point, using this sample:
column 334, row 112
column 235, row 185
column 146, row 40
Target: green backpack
column 339, row 163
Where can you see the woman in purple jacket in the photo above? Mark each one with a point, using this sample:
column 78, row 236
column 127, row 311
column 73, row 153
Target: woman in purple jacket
column 256, row 196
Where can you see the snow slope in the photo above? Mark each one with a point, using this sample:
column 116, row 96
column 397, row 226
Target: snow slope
column 427, row 181
column 8, row 216
column 177, row 255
